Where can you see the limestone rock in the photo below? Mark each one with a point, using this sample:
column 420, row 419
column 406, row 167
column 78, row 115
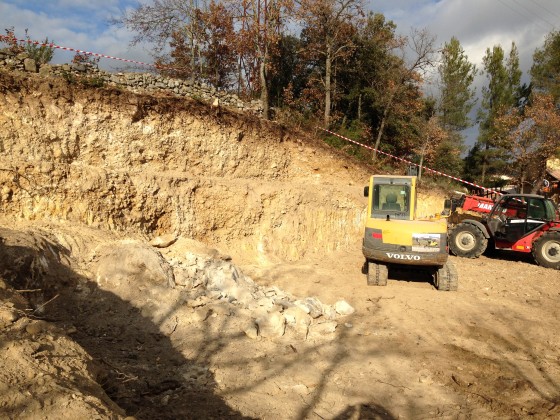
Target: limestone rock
column 7, row 316
column 298, row 321
column 163, row 241
column 38, row 326
column 271, row 325
column 129, row 268
column 311, row 305
column 30, row 65
column 251, row 332
column 329, row 312
column 320, row 330
column 343, row 308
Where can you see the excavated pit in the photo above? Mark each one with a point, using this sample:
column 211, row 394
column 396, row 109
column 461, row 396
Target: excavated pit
column 89, row 177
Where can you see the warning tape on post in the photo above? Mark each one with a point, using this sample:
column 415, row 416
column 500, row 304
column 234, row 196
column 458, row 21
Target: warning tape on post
column 409, row 162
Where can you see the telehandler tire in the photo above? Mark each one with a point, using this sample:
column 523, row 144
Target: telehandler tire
column 467, row 240
column 446, row 278
column 377, row 274
column 546, row 250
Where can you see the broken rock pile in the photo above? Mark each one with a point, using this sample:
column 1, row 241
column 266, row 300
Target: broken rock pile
column 185, row 273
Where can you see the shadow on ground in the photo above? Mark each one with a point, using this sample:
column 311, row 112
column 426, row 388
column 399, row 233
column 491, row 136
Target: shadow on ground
column 137, row 365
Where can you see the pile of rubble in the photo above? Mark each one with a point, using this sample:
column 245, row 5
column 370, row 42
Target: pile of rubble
column 158, row 280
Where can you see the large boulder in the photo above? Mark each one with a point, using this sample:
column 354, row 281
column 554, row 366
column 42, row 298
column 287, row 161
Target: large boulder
column 130, row 269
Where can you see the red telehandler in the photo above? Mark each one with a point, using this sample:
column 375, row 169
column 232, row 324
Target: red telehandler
column 517, row 222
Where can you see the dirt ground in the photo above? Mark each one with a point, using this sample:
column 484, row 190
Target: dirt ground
column 488, row 350
column 408, row 351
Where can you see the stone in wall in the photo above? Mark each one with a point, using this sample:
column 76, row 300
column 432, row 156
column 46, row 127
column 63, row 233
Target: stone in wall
column 30, row 65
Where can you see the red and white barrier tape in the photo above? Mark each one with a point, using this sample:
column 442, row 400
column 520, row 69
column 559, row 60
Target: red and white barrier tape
column 410, row 162
column 7, row 39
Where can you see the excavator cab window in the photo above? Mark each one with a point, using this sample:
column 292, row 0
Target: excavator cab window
column 392, row 200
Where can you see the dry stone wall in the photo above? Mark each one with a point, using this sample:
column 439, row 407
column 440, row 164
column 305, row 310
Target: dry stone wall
column 135, row 82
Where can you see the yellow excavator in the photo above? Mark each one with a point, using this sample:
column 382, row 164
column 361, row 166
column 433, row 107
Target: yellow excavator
column 395, row 237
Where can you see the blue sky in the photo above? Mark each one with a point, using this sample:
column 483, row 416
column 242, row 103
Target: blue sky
column 478, row 24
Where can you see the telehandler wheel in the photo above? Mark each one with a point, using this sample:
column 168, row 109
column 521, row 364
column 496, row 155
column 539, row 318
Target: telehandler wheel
column 546, row 250
column 377, row 274
column 446, row 278
column 467, row 240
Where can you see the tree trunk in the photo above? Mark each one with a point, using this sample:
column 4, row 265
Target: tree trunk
column 328, row 70
column 360, row 107
column 264, row 86
column 382, row 127
column 422, row 154
column 239, row 79
column 193, row 61
column 378, row 139
column 537, row 185
column 484, row 164
column 380, row 133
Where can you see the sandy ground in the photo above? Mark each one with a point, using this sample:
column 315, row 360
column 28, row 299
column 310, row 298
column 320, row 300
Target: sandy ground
column 73, row 346
column 489, row 350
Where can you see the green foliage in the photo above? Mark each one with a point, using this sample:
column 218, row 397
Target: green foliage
column 363, row 80
column 42, row 53
column 87, row 81
column 290, row 76
column 68, row 76
column 473, row 163
column 545, row 71
column 95, row 82
column 355, row 131
column 498, row 97
column 448, row 159
column 456, row 79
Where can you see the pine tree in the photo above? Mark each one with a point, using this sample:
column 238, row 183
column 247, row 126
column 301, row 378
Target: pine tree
column 457, row 94
column 500, row 95
column 545, row 72
column 457, row 100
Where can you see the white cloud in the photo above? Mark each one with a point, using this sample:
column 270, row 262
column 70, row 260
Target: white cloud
column 478, row 24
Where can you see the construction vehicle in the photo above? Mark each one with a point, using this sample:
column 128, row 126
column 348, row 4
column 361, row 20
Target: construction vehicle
column 395, row 237
column 525, row 223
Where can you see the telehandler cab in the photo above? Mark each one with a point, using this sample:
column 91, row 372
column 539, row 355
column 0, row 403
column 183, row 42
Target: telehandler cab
column 394, row 237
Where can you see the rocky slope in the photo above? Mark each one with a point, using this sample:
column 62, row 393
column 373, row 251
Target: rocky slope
column 120, row 161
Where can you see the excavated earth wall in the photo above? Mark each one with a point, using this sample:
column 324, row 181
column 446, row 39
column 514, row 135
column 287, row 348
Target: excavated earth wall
column 157, row 165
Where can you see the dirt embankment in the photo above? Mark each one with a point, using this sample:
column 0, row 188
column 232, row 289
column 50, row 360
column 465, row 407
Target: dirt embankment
column 174, row 260
column 119, row 161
